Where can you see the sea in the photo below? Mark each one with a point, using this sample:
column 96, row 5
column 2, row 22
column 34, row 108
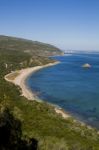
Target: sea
column 70, row 86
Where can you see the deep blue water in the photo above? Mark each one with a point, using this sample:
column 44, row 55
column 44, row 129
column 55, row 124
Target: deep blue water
column 70, row 86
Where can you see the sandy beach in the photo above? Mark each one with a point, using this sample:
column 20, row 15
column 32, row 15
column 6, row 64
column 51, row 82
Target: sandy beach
column 19, row 77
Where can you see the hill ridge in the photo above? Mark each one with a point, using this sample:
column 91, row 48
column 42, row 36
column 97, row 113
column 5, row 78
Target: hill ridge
column 39, row 48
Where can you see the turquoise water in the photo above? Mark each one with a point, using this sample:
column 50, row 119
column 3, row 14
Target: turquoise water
column 70, row 86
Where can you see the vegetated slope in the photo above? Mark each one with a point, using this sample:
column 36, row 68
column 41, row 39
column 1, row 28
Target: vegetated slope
column 28, row 46
column 39, row 120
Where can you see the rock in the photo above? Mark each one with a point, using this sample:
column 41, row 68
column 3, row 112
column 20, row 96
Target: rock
column 86, row 66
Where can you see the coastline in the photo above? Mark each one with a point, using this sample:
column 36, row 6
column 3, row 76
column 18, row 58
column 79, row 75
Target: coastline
column 19, row 77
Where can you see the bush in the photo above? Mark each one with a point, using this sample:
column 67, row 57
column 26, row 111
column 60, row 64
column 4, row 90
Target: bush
column 11, row 134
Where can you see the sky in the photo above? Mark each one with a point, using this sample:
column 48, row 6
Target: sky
column 67, row 24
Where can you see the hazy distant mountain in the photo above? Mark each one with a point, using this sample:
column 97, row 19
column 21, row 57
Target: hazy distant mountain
column 28, row 46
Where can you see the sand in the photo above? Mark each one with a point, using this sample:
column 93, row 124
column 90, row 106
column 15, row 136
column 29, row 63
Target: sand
column 20, row 80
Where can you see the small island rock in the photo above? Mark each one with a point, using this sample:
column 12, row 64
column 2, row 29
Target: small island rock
column 86, row 66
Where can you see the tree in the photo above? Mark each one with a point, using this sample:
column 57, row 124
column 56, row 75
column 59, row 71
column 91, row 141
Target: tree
column 11, row 134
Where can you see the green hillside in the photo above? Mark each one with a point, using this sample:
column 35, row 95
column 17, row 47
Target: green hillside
column 30, row 125
column 28, row 46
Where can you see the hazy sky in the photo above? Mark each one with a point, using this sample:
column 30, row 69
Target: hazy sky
column 68, row 24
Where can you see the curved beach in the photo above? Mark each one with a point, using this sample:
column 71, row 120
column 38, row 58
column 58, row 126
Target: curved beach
column 19, row 78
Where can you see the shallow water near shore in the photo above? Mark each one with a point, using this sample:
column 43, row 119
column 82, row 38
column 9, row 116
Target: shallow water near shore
column 70, row 86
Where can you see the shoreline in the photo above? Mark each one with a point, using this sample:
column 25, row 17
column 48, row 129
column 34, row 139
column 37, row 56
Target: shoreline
column 19, row 78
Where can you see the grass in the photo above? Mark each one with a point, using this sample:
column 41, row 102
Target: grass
column 39, row 120
column 12, row 76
